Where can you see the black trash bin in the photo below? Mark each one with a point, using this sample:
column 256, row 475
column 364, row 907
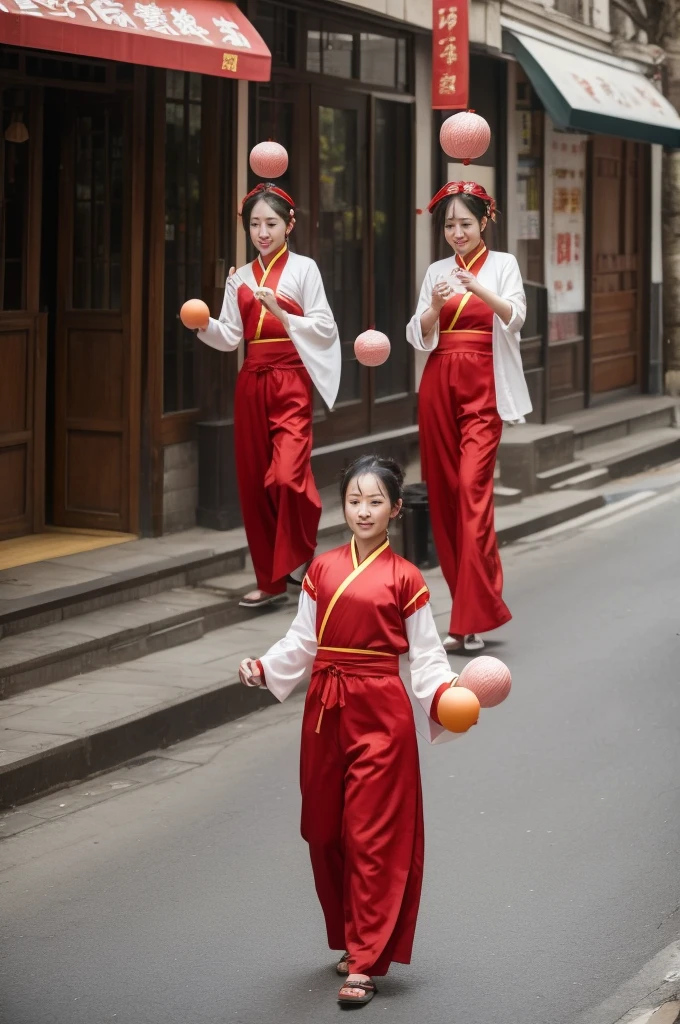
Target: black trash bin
column 418, row 544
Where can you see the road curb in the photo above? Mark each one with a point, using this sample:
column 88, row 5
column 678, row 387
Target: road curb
column 102, row 749
column 105, row 748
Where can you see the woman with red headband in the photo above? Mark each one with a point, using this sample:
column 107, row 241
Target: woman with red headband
column 469, row 316
column 278, row 304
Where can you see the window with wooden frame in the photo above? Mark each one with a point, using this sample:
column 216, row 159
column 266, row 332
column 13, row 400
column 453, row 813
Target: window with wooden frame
column 183, row 230
column 341, row 104
column 191, row 245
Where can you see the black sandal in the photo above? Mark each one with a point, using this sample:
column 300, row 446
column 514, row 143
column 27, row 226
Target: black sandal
column 369, row 989
column 342, row 963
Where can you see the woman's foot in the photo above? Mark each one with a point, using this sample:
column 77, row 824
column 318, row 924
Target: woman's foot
column 469, row 642
column 359, row 989
column 260, row 599
column 342, row 966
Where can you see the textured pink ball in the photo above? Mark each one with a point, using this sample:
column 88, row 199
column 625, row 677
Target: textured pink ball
column 372, row 348
column 488, row 678
column 465, row 136
column 268, row 160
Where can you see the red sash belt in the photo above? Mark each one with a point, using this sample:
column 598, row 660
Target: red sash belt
column 333, row 665
column 270, row 355
column 479, row 342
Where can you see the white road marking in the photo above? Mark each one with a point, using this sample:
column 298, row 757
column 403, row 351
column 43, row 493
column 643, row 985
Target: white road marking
column 599, row 513
column 617, row 516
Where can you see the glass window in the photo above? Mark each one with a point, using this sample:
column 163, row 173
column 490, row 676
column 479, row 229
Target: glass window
column 378, row 59
column 278, row 27
column 314, row 49
column 338, row 54
column 392, row 241
column 13, row 204
column 340, row 234
column 183, row 237
column 98, row 211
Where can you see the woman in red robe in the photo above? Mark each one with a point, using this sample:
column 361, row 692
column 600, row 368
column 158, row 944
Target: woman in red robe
column 469, row 315
column 362, row 607
column 277, row 304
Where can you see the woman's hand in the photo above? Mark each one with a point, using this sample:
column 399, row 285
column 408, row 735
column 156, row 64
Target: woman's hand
column 268, row 299
column 468, row 280
column 441, row 293
column 249, row 673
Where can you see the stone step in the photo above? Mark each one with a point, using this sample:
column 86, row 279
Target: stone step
column 598, row 426
column 75, row 727
column 113, row 635
column 131, row 572
column 550, row 477
column 636, row 453
column 583, row 481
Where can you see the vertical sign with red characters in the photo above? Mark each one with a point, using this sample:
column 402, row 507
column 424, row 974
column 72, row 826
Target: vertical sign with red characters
column 450, row 55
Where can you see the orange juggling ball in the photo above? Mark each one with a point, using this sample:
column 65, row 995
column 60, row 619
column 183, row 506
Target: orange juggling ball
column 458, row 709
column 194, row 314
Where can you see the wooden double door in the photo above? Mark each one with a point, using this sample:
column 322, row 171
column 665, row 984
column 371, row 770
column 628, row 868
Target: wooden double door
column 618, row 265
column 68, row 379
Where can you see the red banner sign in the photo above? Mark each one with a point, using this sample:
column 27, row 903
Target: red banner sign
column 450, row 55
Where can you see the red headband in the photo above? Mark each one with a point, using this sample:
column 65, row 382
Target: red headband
column 468, row 188
column 268, row 186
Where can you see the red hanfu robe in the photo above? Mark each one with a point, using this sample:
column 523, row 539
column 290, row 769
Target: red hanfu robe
column 273, row 405
column 273, row 409
column 460, row 430
column 362, row 809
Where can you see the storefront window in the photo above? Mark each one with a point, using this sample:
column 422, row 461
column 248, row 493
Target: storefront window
column 378, row 59
column 278, row 27
column 529, row 186
column 340, row 235
column 365, row 56
column 98, row 211
column 183, row 236
column 14, row 204
column 392, row 240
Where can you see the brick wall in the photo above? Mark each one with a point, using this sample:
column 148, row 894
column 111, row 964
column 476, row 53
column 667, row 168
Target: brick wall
column 180, row 486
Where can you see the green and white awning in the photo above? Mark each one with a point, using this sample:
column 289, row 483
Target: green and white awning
column 585, row 93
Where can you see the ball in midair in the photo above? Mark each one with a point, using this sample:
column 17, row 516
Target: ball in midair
column 268, row 160
column 465, row 136
column 372, row 348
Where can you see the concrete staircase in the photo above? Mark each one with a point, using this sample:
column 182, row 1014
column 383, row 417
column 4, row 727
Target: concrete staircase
column 597, row 445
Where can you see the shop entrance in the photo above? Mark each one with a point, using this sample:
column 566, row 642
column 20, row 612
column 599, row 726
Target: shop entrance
column 67, row 387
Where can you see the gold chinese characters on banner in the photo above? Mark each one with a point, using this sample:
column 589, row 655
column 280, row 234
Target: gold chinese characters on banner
column 450, row 55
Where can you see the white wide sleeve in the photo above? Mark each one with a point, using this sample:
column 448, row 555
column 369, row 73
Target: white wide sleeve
column 315, row 335
column 429, row 668
column 414, row 331
column 290, row 660
column 511, row 289
column 226, row 333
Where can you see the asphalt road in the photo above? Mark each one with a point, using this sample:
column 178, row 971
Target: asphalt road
column 552, row 836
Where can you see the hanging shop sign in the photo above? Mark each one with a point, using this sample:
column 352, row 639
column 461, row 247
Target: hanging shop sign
column 565, row 187
column 450, row 55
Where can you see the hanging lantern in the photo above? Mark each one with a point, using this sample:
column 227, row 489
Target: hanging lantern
column 268, row 160
column 465, row 136
column 16, row 131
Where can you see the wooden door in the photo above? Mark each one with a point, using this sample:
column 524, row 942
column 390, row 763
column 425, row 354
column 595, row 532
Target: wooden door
column 93, row 362
column 339, row 160
column 22, row 330
column 617, row 265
